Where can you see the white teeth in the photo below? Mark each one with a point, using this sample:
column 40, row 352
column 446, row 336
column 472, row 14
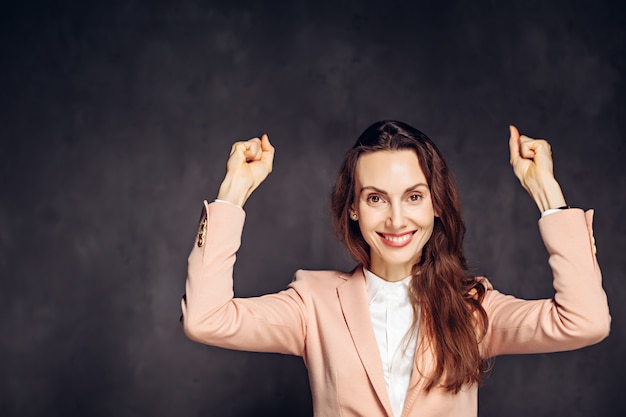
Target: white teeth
column 398, row 239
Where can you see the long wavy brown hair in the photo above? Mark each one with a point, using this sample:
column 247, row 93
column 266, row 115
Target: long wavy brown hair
column 446, row 300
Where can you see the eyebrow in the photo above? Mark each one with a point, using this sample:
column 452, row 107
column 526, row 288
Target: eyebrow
column 378, row 190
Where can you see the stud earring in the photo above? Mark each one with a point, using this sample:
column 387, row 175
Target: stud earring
column 355, row 216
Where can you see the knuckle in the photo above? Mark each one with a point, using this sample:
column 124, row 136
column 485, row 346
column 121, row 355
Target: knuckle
column 235, row 148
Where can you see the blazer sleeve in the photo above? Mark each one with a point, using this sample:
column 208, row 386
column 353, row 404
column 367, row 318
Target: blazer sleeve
column 270, row 323
column 577, row 316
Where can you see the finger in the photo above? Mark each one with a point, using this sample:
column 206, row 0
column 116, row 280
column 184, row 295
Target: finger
column 253, row 150
column 538, row 150
column 527, row 147
column 542, row 147
column 514, row 144
column 243, row 152
column 238, row 153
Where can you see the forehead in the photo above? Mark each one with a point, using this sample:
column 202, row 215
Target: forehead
column 389, row 170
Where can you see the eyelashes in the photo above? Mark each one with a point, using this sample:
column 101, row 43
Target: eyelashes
column 374, row 199
column 377, row 199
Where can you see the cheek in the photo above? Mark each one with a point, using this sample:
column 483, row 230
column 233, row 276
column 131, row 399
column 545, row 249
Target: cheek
column 366, row 227
column 431, row 229
column 367, row 214
column 424, row 216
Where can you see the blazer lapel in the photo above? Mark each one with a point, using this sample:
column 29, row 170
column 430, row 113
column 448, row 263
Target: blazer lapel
column 422, row 365
column 355, row 306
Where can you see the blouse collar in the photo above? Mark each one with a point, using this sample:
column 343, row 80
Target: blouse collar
column 375, row 284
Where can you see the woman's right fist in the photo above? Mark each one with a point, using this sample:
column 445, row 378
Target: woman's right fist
column 249, row 163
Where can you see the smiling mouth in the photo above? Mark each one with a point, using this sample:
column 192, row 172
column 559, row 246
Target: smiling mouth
column 397, row 240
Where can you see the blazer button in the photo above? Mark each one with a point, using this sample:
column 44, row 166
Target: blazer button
column 202, row 233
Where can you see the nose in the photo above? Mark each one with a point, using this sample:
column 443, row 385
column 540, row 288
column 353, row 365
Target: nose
column 396, row 219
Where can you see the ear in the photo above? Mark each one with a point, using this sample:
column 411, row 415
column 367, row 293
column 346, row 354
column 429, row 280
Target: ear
column 354, row 216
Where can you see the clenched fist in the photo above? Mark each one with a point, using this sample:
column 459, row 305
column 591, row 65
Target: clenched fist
column 249, row 163
column 531, row 160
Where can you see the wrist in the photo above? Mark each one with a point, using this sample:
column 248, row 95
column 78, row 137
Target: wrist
column 548, row 196
column 233, row 191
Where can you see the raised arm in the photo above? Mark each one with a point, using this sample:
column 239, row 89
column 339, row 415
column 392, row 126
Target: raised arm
column 270, row 323
column 578, row 314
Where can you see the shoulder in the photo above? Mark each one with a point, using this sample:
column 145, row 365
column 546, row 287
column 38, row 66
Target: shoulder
column 320, row 281
column 321, row 278
column 321, row 290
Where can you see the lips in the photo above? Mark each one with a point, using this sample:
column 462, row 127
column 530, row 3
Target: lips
column 396, row 240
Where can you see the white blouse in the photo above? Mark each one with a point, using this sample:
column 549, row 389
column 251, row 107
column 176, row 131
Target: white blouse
column 392, row 316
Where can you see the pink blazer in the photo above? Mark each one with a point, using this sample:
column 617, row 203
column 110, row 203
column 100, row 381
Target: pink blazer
column 323, row 317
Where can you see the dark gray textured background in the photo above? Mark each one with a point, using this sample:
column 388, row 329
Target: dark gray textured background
column 116, row 121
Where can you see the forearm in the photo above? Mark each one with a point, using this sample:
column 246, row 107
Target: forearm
column 209, row 282
column 580, row 300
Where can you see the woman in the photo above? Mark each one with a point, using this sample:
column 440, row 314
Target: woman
column 407, row 332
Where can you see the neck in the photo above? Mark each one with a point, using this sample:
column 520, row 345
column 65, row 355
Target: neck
column 391, row 273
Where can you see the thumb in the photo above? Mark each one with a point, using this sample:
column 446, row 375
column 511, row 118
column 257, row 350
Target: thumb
column 267, row 149
column 514, row 144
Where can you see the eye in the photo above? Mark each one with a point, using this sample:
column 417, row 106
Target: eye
column 414, row 198
column 374, row 199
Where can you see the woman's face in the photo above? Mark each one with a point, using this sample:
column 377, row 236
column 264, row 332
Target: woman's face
column 395, row 210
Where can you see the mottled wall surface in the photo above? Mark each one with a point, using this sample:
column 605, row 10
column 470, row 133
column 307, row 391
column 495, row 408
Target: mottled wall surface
column 116, row 119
